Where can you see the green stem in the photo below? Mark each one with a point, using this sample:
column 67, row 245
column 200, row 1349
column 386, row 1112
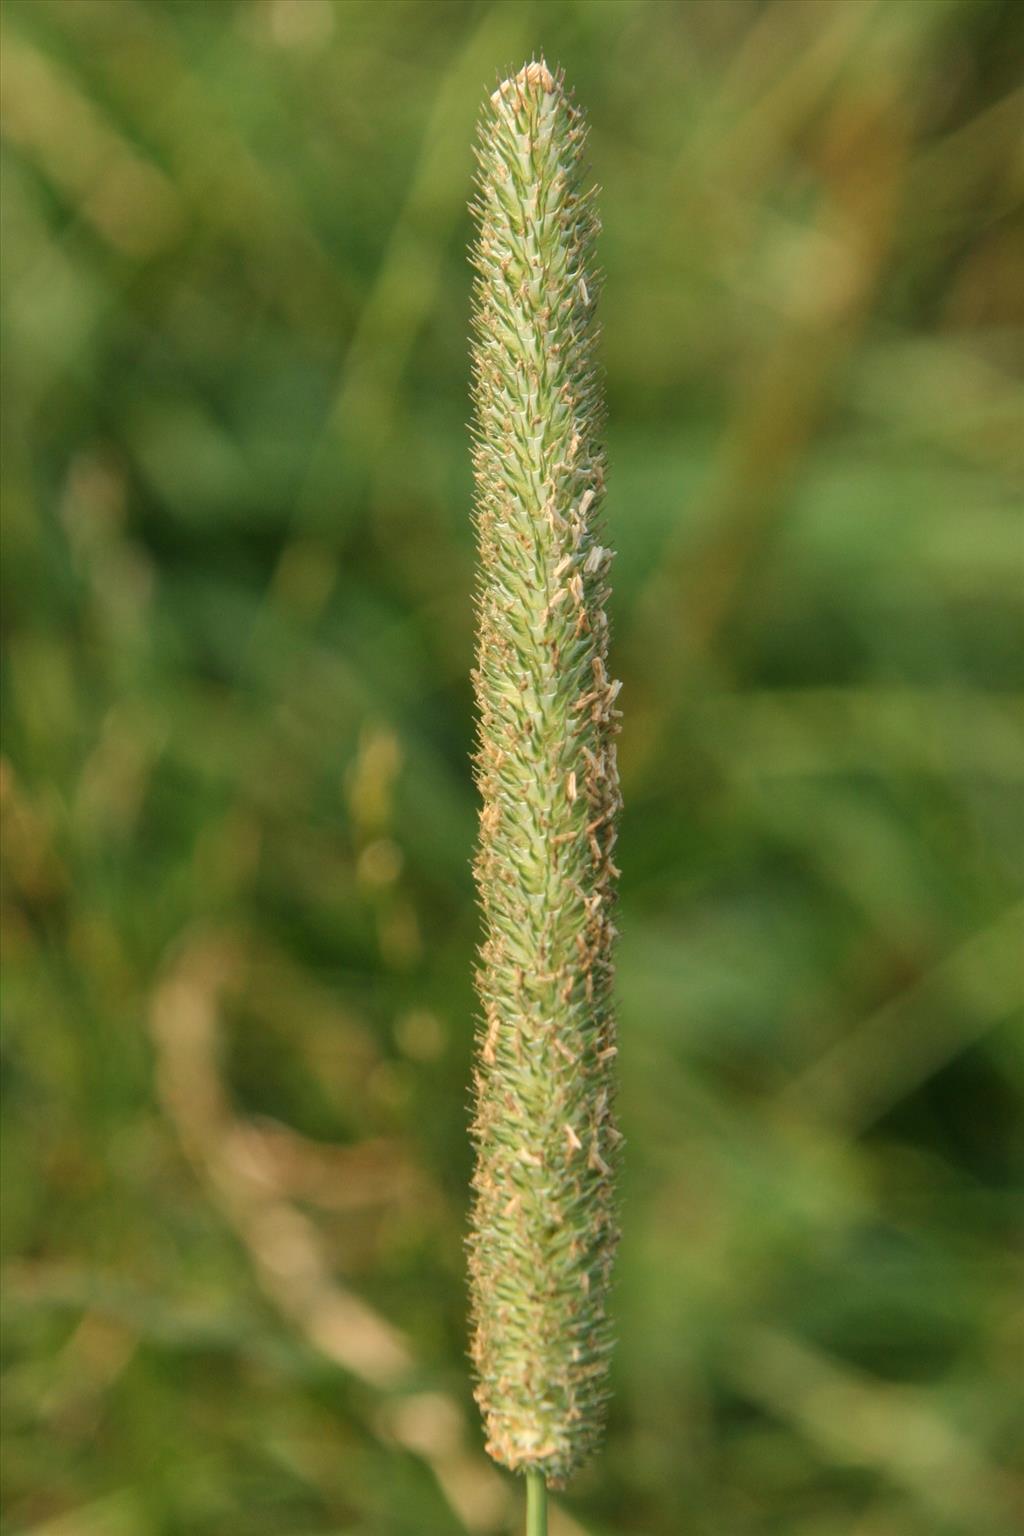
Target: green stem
column 536, row 1504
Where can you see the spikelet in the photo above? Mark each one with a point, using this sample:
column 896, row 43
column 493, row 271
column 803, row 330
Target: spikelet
column 543, row 1227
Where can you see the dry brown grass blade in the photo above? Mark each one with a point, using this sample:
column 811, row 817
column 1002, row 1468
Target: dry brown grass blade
column 283, row 1244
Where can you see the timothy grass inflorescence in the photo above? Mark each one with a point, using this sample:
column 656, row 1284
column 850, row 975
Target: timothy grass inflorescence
column 544, row 1228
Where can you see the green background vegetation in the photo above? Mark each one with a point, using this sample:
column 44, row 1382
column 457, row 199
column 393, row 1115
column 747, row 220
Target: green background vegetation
column 239, row 920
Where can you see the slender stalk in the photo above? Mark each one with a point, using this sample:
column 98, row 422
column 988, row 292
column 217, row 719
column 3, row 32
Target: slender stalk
column 536, row 1504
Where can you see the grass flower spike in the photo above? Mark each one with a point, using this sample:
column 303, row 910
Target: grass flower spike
column 543, row 1227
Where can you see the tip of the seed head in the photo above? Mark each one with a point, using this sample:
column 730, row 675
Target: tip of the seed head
column 536, row 73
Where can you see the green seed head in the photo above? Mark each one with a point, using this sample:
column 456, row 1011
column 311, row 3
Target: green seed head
column 543, row 1230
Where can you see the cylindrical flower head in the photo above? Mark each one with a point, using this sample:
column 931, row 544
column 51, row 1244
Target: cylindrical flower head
column 543, row 1227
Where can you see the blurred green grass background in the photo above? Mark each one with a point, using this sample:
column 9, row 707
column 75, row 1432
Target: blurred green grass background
column 238, row 815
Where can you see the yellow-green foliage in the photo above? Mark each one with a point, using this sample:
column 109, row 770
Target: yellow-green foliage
column 543, row 1223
